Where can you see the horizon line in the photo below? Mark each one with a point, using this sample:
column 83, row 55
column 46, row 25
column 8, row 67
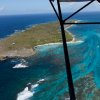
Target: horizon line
column 45, row 13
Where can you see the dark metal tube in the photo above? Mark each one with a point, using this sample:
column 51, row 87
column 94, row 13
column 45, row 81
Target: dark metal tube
column 67, row 62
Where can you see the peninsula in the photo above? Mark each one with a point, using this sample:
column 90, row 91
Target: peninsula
column 21, row 44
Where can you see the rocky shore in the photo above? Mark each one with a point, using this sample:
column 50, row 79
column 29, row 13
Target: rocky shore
column 21, row 44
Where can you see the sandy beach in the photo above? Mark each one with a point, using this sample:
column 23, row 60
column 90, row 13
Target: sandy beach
column 26, row 52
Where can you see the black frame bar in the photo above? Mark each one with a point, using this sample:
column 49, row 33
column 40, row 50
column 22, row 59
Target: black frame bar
column 62, row 23
column 83, row 23
column 67, row 62
column 79, row 10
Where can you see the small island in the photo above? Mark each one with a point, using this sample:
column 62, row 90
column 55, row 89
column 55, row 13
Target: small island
column 21, row 44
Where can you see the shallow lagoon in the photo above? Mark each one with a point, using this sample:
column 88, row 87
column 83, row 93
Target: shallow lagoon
column 46, row 70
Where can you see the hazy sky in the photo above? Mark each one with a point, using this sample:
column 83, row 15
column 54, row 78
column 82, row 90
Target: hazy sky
column 36, row 6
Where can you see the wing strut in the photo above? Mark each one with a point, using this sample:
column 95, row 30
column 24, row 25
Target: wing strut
column 62, row 23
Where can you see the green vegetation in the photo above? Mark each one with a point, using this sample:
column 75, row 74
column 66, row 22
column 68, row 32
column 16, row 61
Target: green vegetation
column 37, row 35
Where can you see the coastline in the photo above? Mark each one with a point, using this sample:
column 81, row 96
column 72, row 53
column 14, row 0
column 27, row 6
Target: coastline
column 73, row 41
column 66, row 29
column 26, row 52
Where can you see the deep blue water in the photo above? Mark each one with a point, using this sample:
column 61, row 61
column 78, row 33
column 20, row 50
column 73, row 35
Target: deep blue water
column 46, row 69
column 13, row 23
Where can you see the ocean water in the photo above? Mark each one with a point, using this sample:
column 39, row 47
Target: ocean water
column 14, row 23
column 46, row 69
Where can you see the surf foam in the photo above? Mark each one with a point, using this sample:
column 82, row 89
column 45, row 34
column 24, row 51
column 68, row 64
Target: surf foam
column 20, row 66
column 41, row 80
column 25, row 94
column 59, row 43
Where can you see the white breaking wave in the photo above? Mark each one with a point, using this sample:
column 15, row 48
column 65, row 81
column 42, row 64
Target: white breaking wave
column 41, row 80
column 20, row 63
column 59, row 43
column 25, row 94
column 34, row 86
column 20, row 66
column 75, row 42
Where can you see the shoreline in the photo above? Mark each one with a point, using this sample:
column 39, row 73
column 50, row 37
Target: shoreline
column 25, row 52
column 59, row 43
column 66, row 29
column 27, row 28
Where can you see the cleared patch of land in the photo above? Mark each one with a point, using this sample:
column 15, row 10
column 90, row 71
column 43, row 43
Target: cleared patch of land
column 21, row 44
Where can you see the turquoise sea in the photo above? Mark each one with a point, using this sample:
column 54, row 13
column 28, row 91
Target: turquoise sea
column 46, row 69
